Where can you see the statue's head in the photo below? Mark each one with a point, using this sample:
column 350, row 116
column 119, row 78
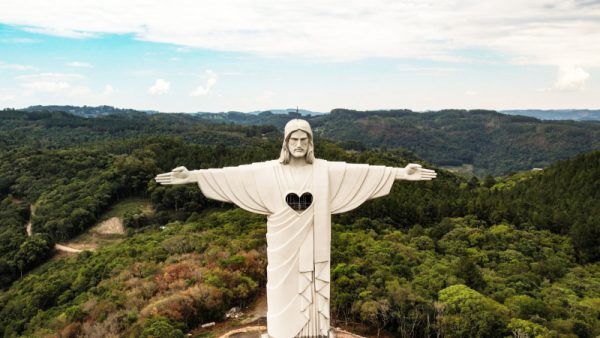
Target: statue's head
column 297, row 142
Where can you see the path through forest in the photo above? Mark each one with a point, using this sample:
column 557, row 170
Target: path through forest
column 66, row 248
column 56, row 246
column 28, row 226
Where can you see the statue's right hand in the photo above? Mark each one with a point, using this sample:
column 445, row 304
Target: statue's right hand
column 179, row 175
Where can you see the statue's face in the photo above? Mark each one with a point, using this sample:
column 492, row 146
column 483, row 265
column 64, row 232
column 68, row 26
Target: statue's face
column 298, row 143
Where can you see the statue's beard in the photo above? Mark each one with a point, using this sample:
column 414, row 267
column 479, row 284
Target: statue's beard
column 299, row 152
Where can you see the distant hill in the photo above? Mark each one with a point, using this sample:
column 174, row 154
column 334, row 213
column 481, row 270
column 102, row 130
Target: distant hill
column 302, row 112
column 486, row 141
column 87, row 111
column 558, row 114
column 493, row 143
column 490, row 142
column 52, row 129
column 262, row 118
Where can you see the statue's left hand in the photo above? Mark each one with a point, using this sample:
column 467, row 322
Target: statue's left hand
column 415, row 172
column 179, row 175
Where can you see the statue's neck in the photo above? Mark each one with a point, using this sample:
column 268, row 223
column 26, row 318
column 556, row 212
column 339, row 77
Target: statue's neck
column 298, row 162
column 298, row 175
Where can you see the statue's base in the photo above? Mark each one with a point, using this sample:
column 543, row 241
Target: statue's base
column 261, row 332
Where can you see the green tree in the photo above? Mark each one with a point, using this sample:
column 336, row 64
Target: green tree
column 159, row 327
column 465, row 312
column 521, row 328
column 33, row 250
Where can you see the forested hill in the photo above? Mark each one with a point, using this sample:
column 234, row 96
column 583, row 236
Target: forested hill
column 56, row 129
column 558, row 114
column 490, row 142
column 564, row 198
column 87, row 111
column 450, row 257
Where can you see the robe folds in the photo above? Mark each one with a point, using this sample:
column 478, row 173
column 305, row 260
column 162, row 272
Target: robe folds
column 298, row 242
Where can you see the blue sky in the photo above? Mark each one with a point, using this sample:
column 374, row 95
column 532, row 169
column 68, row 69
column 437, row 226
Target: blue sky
column 239, row 55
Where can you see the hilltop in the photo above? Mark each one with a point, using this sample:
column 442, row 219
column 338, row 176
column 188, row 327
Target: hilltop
column 491, row 142
column 483, row 142
column 487, row 141
column 558, row 114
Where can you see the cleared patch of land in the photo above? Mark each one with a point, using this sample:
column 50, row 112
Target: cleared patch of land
column 113, row 225
column 110, row 228
column 465, row 169
column 127, row 205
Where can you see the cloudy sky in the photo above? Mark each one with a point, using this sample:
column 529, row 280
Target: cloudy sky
column 246, row 55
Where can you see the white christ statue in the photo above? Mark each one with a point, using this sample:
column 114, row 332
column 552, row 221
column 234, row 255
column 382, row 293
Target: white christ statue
column 298, row 193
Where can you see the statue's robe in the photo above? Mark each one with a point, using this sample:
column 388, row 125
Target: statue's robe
column 298, row 242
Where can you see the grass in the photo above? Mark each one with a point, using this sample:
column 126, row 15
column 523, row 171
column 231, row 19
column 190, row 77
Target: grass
column 128, row 204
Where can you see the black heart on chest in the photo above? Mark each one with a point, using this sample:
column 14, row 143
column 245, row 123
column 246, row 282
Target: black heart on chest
column 299, row 203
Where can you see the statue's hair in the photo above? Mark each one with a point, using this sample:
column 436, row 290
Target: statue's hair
column 285, row 156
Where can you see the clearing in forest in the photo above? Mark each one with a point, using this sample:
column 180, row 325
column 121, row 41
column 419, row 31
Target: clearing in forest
column 109, row 228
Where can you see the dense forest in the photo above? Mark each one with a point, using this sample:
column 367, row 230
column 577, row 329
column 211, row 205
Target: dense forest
column 517, row 255
column 484, row 142
column 493, row 143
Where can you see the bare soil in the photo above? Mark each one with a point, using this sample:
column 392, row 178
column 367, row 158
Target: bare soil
column 60, row 247
column 256, row 311
column 111, row 226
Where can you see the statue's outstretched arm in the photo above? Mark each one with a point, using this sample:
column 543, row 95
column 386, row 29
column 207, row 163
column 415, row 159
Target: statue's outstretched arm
column 179, row 175
column 415, row 172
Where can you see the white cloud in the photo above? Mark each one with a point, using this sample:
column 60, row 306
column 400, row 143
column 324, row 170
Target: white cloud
column 15, row 66
column 6, row 97
column 56, row 84
column 50, row 77
column 19, row 40
column 47, row 86
column 232, row 73
column 548, row 32
column 79, row 64
column 184, row 49
column 143, row 72
column 421, row 69
column 210, row 82
column 570, row 78
column 108, row 89
column 60, row 31
column 160, row 87
column 79, row 91
column 265, row 96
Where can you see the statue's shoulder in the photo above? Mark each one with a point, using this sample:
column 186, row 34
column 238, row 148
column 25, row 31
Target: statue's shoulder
column 330, row 163
column 334, row 167
column 265, row 164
